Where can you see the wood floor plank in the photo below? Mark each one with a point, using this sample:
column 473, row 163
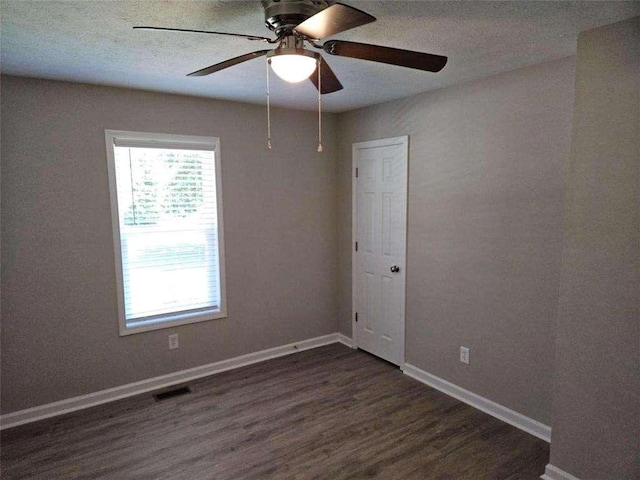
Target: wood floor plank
column 328, row 413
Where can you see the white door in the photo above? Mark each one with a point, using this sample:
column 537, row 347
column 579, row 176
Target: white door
column 380, row 220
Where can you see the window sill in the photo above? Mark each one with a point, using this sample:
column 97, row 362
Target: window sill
column 171, row 321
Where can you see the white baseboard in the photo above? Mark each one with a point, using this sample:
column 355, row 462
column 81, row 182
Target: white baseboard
column 501, row 412
column 554, row 473
column 104, row 396
column 343, row 339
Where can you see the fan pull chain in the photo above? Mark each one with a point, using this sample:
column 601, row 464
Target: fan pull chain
column 319, row 107
column 268, row 108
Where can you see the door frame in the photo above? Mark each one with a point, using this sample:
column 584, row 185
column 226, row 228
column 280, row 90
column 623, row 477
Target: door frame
column 403, row 141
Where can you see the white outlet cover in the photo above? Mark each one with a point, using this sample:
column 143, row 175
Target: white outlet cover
column 464, row 355
column 173, row 341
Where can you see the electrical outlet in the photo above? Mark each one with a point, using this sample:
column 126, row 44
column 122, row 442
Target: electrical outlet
column 173, row 341
column 464, row 355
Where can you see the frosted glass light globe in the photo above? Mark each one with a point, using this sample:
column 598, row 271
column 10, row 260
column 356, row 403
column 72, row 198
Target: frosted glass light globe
column 293, row 68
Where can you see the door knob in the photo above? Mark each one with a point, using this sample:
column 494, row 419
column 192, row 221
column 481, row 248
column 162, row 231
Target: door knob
column 395, row 269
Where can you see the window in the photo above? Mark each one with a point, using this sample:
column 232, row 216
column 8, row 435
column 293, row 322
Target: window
column 166, row 204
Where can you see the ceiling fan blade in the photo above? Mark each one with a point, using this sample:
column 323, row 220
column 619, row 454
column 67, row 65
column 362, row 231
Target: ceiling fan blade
column 328, row 79
column 393, row 56
column 228, row 63
column 248, row 37
column 334, row 19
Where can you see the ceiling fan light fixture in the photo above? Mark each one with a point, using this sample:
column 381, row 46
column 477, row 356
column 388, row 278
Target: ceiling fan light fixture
column 293, row 65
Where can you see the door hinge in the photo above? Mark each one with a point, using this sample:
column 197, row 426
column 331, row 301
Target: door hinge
column 356, row 316
column 356, row 246
column 356, row 172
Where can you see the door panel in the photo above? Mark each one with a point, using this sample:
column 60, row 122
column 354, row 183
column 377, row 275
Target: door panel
column 367, row 231
column 380, row 196
column 387, row 200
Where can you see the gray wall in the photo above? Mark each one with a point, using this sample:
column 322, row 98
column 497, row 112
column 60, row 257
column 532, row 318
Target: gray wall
column 59, row 319
column 484, row 228
column 596, row 407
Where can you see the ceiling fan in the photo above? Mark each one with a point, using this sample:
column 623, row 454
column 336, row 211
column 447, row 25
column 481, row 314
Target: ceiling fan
column 296, row 23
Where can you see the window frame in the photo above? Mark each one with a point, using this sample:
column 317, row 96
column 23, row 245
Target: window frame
column 157, row 140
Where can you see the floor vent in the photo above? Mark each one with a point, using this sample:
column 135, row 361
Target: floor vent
column 171, row 393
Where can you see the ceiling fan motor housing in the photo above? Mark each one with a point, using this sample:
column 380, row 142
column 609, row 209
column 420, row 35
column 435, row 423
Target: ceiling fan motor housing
column 282, row 16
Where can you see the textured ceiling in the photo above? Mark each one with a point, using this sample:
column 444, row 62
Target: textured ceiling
column 92, row 41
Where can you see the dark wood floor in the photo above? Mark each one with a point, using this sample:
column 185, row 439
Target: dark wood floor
column 328, row 413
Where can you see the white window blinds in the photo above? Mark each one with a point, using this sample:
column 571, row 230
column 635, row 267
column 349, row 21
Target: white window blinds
column 167, row 209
